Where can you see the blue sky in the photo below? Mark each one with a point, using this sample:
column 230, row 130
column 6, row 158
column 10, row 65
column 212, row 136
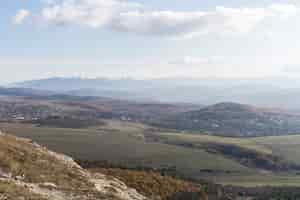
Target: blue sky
column 147, row 39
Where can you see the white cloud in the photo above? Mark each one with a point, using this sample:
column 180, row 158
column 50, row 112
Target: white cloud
column 125, row 16
column 291, row 69
column 284, row 10
column 191, row 61
column 21, row 16
column 92, row 13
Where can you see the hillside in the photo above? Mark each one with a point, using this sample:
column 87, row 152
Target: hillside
column 29, row 171
column 233, row 119
column 225, row 119
column 32, row 172
column 31, row 107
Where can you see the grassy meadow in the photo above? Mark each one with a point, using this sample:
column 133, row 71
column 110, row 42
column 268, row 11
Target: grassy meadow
column 124, row 147
column 126, row 144
column 199, row 139
column 285, row 146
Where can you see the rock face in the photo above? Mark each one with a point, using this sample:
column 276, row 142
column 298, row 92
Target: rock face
column 43, row 174
column 106, row 185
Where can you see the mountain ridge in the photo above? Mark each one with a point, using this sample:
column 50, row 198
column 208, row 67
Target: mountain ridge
column 259, row 92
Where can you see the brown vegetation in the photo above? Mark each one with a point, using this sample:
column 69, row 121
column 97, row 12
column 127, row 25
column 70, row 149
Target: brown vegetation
column 22, row 159
column 153, row 184
column 11, row 191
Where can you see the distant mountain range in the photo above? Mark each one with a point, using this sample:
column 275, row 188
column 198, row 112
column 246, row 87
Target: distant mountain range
column 277, row 93
column 14, row 91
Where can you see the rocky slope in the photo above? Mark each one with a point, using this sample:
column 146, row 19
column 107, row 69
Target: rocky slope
column 29, row 171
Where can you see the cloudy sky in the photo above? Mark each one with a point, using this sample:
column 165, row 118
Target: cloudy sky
column 147, row 39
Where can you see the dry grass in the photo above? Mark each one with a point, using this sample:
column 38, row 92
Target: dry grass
column 10, row 191
column 151, row 184
column 22, row 159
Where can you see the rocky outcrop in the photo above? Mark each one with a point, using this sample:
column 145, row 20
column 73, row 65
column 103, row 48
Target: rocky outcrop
column 107, row 185
column 55, row 176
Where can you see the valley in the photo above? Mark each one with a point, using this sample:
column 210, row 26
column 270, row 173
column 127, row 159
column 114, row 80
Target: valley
column 149, row 100
column 132, row 139
column 196, row 157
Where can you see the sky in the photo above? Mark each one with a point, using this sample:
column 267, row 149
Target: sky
column 149, row 39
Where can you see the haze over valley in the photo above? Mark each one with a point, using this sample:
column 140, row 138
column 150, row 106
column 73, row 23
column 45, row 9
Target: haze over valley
column 149, row 100
column 273, row 93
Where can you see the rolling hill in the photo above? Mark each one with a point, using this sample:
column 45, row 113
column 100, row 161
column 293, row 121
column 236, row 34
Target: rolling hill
column 233, row 119
column 225, row 119
column 17, row 103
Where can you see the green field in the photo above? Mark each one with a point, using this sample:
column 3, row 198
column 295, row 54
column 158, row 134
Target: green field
column 124, row 143
column 285, row 146
column 199, row 139
column 126, row 147
column 256, row 180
